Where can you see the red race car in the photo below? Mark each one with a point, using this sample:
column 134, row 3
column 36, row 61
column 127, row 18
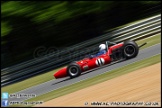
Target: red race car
column 124, row 50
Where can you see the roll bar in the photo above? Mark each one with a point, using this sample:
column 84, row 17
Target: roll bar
column 107, row 44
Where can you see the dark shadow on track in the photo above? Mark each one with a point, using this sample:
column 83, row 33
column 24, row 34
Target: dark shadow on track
column 61, row 81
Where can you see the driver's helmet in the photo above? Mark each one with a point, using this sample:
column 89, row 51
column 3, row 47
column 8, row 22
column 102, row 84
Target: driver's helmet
column 102, row 47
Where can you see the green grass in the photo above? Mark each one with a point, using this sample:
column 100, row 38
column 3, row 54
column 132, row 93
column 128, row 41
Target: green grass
column 49, row 75
column 150, row 41
column 98, row 79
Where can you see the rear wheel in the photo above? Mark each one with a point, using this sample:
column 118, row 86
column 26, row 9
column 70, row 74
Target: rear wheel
column 73, row 70
column 130, row 49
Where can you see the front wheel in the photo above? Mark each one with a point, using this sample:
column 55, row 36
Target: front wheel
column 73, row 70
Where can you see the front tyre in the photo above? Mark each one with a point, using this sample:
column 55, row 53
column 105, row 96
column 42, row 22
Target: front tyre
column 130, row 49
column 73, row 70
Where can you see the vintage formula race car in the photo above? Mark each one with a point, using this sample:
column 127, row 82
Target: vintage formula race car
column 124, row 50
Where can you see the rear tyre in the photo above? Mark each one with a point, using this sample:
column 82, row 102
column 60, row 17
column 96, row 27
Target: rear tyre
column 130, row 49
column 73, row 70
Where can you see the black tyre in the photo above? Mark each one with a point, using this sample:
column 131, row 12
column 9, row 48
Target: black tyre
column 130, row 49
column 73, row 70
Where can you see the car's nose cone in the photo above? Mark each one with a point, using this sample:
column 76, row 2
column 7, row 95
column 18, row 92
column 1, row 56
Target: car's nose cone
column 61, row 73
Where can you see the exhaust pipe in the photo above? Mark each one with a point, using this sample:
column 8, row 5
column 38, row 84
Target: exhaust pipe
column 142, row 45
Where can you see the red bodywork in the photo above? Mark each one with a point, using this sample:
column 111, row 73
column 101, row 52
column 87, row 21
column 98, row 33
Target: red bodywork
column 87, row 63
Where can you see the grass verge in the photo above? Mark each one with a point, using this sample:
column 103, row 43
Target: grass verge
column 150, row 41
column 97, row 79
column 49, row 75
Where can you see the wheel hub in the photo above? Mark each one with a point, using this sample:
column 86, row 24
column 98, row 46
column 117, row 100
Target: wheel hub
column 129, row 50
column 73, row 70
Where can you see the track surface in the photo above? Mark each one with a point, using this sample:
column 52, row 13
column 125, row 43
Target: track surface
column 59, row 83
column 135, row 86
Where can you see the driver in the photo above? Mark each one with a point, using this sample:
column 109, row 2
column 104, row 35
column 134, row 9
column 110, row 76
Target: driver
column 102, row 50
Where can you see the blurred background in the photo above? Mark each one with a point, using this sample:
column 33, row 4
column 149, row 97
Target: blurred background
column 27, row 25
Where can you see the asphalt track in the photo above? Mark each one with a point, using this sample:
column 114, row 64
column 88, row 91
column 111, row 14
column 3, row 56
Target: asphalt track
column 59, row 83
